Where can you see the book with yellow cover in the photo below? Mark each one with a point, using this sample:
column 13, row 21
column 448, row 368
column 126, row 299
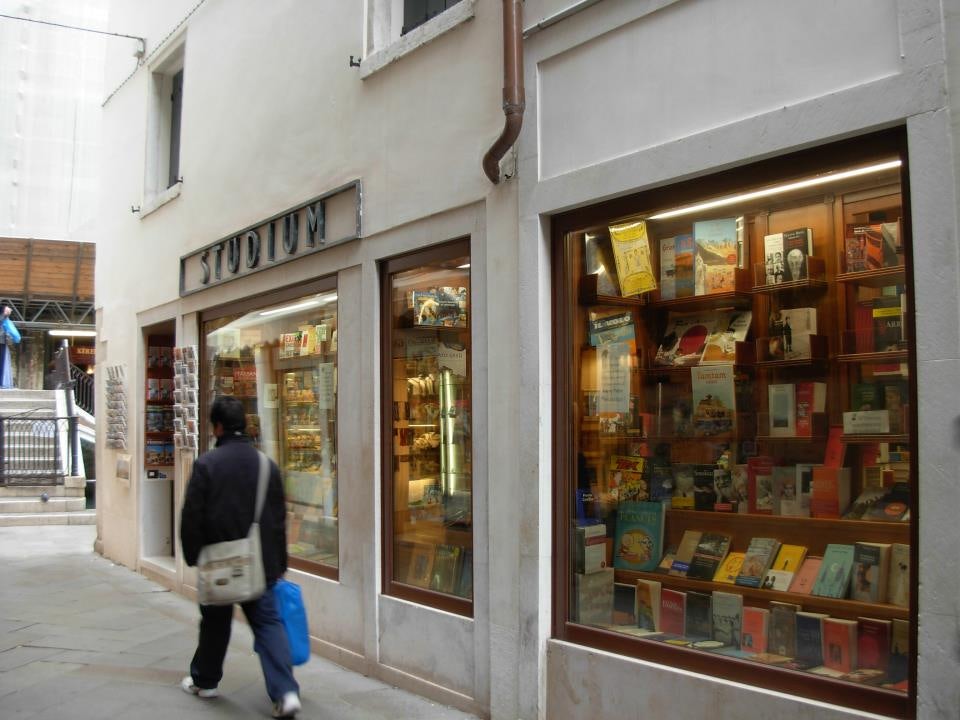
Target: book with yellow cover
column 631, row 253
column 789, row 558
column 729, row 568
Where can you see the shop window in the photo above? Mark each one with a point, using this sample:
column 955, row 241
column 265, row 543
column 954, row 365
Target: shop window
column 736, row 430
column 280, row 359
column 428, row 488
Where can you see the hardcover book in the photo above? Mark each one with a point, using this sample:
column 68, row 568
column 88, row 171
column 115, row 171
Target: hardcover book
column 717, row 255
column 773, row 258
column 871, row 564
column 727, row 617
column 873, row 643
column 753, row 631
column 721, row 344
column 782, row 632
column 830, row 494
column 673, row 611
column 840, row 644
column 668, row 286
column 684, row 250
column 781, row 400
column 648, row 604
column 898, row 582
column 804, row 579
column 887, row 323
column 809, row 648
column 590, row 548
column 729, row 568
column 714, row 400
column 833, row 580
column 639, row 536
column 698, row 624
column 760, row 555
column 704, row 494
column 631, row 253
column 710, row 553
column 685, row 552
column 760, row 485
column 797, row 247
column 811, row 398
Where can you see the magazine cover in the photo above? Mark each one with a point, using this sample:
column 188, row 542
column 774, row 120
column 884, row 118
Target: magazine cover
column 721, row 344
column 685, row 338
column 631, row 252
column 714, row 400
column 717, row 255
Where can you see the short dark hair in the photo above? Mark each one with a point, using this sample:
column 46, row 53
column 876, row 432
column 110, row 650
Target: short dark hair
column 229, row 412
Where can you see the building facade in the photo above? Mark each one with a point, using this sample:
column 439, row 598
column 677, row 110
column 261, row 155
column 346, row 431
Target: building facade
column 308, row 227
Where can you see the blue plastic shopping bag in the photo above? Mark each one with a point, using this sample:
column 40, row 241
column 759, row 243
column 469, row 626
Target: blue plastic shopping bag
column 290, row 607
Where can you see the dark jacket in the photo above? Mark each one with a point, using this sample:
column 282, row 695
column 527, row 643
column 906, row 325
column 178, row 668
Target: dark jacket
column 220, row 503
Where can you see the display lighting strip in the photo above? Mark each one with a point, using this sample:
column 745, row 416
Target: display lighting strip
column 72, row 333
column 766, row 192
column 291, row 308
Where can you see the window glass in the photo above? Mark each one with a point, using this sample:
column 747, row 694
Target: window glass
column 281, row 361
column 432, row 488
column 417, row 12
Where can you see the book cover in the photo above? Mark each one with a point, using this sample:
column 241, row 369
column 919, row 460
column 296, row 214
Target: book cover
column 855, row 253
column 863, row 502
column 625, row 604
column 648, row 604
column 698, row 623
column 727, row 617
column 896, row 402
column 721, row 344
column 446, row 567
column 804, row 579
column 729, row 569
column 661, row 480
column 773, row 258
column 608, row 328
column 784, row 489
column 589, row 548
column 797, row 247
column 753, row 631
column 782, row 631
column 871, row 564
column 781, row 403
column 685, row 551
column 711, row 551
column 899, row 650
column 673, row 611
column 873, row 643
column 684, row 250
column 639, row 536
column 887, row 323
column 777, row 580
column 760, row 485
column 796, row 327
column 871, row 240
column 714, row 400
column 789, row 557
column 865, row 396
column 811, row 398
column 804, row 488
column 760, row 554
column 840, row 644
column 682, row 487
column 740, row 487
column 830, row 494
column 668, row 286
column 704, row 494
column 631, row 253
column 666, row 562
column 626, row 479
column 898, row 580
column 833, row 580
column 809, row 647
column 686, row 334
column 716, row 255
column 836, row 449
column 593, row 597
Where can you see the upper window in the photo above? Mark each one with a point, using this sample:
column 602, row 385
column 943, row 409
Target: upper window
column 417, row 12
column 162, row 169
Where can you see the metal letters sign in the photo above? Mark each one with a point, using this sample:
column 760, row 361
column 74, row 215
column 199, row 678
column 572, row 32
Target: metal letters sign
column 328, row 220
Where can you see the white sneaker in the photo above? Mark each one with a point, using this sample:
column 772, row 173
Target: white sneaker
column 191, row 688
column 287, row 706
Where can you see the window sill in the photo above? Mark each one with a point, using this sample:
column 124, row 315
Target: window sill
column 419, row 36
column 160, row 199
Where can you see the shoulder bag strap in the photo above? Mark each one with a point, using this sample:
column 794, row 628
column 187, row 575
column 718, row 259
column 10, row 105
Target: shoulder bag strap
column 262, row 481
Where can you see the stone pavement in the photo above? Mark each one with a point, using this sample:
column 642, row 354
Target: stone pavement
column 84, row 639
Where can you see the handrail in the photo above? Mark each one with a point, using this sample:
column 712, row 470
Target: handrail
column 83, row 389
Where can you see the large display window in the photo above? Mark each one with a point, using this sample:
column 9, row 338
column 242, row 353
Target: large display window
column 428, row 487
column 735, row 424
column 278, row 356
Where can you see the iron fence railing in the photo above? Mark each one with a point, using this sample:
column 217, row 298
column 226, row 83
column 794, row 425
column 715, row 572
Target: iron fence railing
column 83, row 388
column 37, row 450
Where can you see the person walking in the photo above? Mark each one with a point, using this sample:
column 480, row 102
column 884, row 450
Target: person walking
column 9, row 335
column 219, row 506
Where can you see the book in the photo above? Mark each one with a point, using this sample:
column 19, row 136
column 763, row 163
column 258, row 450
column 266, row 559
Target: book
column 753, row 630
column 783, row 481
column 871, row 565
column 626, row 478
column 721, row 344
column 789, row 558
column 740, row 487
column 661, row 480
column 704, row 494
column 685, row 551
column 729, row 569
column 781, row 403
column 648, row 604
column 830, row 494
column 684, row 250
column 804, row 488
column 811, row 398
column 760, row 554
column 682, row 487
column 760, row 485
column 717, row 255
column 809, row 646
column 631, row 253
column 887, row 323
column 836, row 449
column 797, row 325
column 833, row 580
column 863, row 502
column 685, row 337
column 608, row 328
column 663, row 567
column 873, row 643
column 713, row 400
column 593, row 597
column 589, row 548
column 899, row 650
column 865, row 396
column 639, row 536
column 782, row 630
column 879, row 243
column 805, row 578
column 727, row 617
column 673, row 611
column 624, row 604
column 797, row 247
column 773, row 258
column 710, row 553
column 777, row 580
column 840, row 644
column 668, row 285
column 898, row 578
column 896, row 402
column 855, row 253
column 446, row 567
column 698, row 621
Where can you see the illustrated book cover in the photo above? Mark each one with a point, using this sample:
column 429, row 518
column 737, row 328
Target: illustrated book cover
column 840, row 644
column 833, row 580
column 648, row 604
column 639, row 536
column 631, row 253
column 873, row 643
column 668, row 285
column 685, row 337
column 673, row 611
column 717, row 255
column 760, row 555
column 732, row 326
column 773, row 258
column 727, row 617
column 730, row 568
column 782, row 632
column 684, row 251
column 871, row 565
column 685, row 552
column 714, row 400
column 797, row 247
column 710, row 553
column 753, row 631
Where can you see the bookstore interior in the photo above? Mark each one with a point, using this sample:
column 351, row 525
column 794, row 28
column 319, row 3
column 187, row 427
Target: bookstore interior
column 736, row 426
column 280, row 360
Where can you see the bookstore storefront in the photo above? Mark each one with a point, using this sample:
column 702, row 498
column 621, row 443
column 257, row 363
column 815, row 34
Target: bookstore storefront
column 735, row 423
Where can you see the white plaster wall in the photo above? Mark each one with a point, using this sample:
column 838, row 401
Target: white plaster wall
column 758, row 103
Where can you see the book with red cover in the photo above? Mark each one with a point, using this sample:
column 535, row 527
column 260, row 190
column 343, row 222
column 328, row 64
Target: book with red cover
column 806, row 576
column 836, row 449
column 753, row 629
column 873, row 643
column 811, row 398
column 830, row 495
column 840, row 644
column 760, row 485
column 863, row 327
column 673, row 611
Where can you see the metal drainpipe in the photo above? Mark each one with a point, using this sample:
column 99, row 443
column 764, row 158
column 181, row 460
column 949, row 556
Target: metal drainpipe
column 513, row 96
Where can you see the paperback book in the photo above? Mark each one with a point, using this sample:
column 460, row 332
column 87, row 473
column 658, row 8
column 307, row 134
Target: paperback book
column 631, row 253
column 833, row 580
column 714, row 400
column 717, row 255
column 760, row 555
column 639, row 537
column 727, row 617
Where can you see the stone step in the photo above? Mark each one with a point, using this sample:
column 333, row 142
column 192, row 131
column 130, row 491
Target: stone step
column 19, row 491
column 80, row 517
column 34, row 504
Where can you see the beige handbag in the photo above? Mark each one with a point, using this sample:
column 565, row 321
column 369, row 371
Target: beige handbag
column 232, row 571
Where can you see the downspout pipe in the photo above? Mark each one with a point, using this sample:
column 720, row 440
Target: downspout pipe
column 514, row 102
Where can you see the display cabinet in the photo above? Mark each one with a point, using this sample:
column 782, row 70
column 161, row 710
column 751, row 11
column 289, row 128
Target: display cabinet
column 735, row 440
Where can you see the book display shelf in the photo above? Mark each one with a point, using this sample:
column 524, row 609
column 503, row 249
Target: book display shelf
column 428, row 492
column 158, row 406
column 735, row 438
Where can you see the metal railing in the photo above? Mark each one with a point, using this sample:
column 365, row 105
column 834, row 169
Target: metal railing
column 37, row 450
column 83, row 388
